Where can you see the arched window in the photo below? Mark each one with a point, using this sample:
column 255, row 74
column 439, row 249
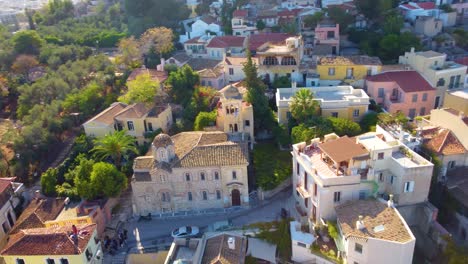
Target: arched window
column 270, row 61
column 218, row 194
column 216, row 175
column 205, row 195
column 288, row 60
column 187, row 176
column 190, row 198
column 202, row 176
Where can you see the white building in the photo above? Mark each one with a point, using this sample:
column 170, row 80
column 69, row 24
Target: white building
column 202, row 26
column 326, row 3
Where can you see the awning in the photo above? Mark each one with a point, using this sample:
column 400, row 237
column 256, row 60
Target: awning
column 260, row 249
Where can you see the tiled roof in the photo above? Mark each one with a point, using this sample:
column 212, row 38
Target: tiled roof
column 38, row 212
column 160, row 76
column 375, row 214
column 287, row 13
column 198, row 64
column 209, row 20
column 49, row 241
column 181, row 57
column 162, row 140
column 201, row 149
column 445, row 143
column 209, row 73
column 192, row 41
column 350, row 60
column 217, row 250
column 463, row 61
column 256, row 40
column 409, row 81
column 240, row 13
column 343, row 149
column 5, row 184
column 427, row 5
column 226, row 42
column 107, row 116
column 239, row 61
column 429, row 54
column 409, row 6
column 136, row 110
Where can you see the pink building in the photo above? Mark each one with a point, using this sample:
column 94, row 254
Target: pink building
column 328, row 34
column 405, row 91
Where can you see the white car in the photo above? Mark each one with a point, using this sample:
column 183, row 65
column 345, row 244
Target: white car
column 185, row 231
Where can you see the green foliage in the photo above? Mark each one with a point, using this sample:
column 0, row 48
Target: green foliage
column 282, row 82
column 280, row 237
column 332, row 230
column 205, row 119
column 57, row 10
column 143, row 14
column 461, row 37
column 182, row 84
column 272, row 166
column 455, row 254
column 391, row 46
column 260, row 25
column 303, row 106
column 302, row 133
column 344, row 126
column 393, row 24
column 106, row 180
column 141, row 90
column 312, row 20
column 374, row 9
column 369, row 121
column 27, row 41
column 87, row 102
column 341, row 17
column 281, row 135
column 114, row 146
column 447, row 8
column 49, row 181
column 290, row 28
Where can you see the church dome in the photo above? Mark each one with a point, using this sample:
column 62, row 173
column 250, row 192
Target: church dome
column 162, row 141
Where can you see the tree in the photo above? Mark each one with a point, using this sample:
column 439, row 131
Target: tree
column 114, row 146
column 373, row 9
column 343, row 126
column 87, row 102
column 312, row 20
column 106, row 180
column 130, row 54
column 369, row 121
column 290, row 28
column 393, row 24
column 182, row 84
column 27, row 42
column 49, row 181
column 23, row 63
column 263, row 115
column 281, row 82
column 340, row 17
column 260, row 25
column 455, row 254
column 204, row 119
column 158, row 38
column 303, row 106
column 302, row 133
column 141, row 90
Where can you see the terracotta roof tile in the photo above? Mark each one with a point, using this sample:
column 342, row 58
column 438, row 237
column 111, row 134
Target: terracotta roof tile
column 136, row 110
column 226, row 42
column 257, row 40
column 240, row 13
column 209, row 20
column 107, row 116
column 49, row 241
column 160, row 76
column 217, row 251
column 343, row 149
column 445, row 143
column 350, row 60
column 5, row 184
column 192, row 41
column 409, row 81
column 375, row 214
column 426, row 5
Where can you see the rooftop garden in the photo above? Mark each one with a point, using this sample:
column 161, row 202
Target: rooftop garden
column 325, row 245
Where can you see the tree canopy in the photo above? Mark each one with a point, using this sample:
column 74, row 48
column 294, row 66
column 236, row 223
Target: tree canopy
column 27, row 42
column 182, row 84
column 141, row 90
column 114, row 146
column 205, row 119
column 106, row 180
column 303, row 106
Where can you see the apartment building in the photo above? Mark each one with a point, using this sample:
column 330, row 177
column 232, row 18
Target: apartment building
column 457, row 100
column 190, row 171
column 8, row 192
column 442, row 74
column 334, row 101
column 327, row 33
column 338, row 169
column 241, row 25
column 402, row 91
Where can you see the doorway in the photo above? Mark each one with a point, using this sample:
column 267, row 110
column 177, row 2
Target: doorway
column 235, row 196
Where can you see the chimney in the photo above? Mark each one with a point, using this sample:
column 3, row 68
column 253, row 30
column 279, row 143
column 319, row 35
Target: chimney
column 231, row 243
column 37, row 194
column 390, row 203
column 360, row 223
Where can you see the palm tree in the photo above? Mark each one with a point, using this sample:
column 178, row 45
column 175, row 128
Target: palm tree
column 303, row 106
column 115, row 146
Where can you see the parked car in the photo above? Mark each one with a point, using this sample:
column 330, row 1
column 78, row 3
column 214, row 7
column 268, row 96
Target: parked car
column 185, row 231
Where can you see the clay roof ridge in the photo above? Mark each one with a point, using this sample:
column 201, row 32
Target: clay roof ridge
column 220, row 248
column 444, row 141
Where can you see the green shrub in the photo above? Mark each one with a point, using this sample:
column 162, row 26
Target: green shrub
column 332, row 230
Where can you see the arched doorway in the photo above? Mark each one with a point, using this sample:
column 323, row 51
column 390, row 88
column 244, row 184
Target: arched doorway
column 235, row 197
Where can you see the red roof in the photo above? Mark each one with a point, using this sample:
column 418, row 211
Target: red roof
column 226, row 41
column 409, row 81
column 192, row 41
column 462, row 61
column 409, row 6
column 257, row 40
column 239, row 13
column 5, row 183
column 293, row 12
column 427, row 5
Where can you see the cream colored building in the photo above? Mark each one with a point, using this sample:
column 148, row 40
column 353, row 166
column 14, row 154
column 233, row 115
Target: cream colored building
column 336, row 170
column 137, row 120
column 191, row 171
column 54, row 245
column 457, row 100
column 442, row 74
column 335, row 101
column 235, row 115
column 372, row 231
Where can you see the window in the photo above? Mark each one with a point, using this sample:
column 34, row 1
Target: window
column 202, row 176
column 306, row 203
column 362, row 195
column 424, row 97
column 414, row 98
column 10, row 219
column 422, row 111
column 452, row 82
column 205, row 195
column 163, row 197
column 297, row 168
column 163, row 178
column 392, row 179
column 349, row 72
column 247, row 123
column 315, row 189
column 381, row 177
column 381, row 92
column 409, row 186
column 150, row 126
column 369, row 72
column 380, row 156
column 190, row 197
column 187, row 176
column 218, row 194
column 130, row 125
column 412, row 113
column 358, row 248
column 334, row 114
column 330, row 34
column 441, row 82
column 203, row 82
column 20, row 261
column 451, row 164
column 356, row 113
column 231, row 71
column 50, row 261
column 216, row 175
column 89, row 254
column 209, row 83
column 234, row 175
column 331, row 71
column 5, row 227
column 64, row 261
column 270, row 61
column 301, row 244
column 288, row 60
column 337, row 197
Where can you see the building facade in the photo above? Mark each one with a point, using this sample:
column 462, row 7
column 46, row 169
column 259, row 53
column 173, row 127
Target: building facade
column 191, row 171
column 328, row 34
column 7, row 213
column 334, row 101
column 457, row 100
column 349, row 69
